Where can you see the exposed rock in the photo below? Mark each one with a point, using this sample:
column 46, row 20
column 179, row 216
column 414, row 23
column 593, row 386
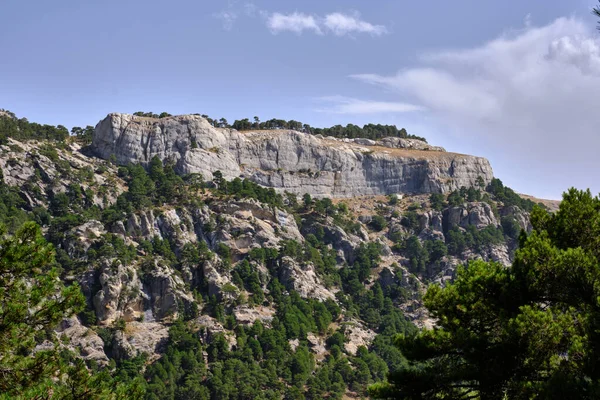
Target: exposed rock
column 316, row 343
column 89, row 345
column 248, row 224
column 177, row 225
column 215, row 280
column 387, row 277
column 286, row 160
column 120, row 295
column 294, row 343
column 400, row 143
column 209, row 327
column 164, row 289
column 143, row 225
column 303, row 279
column 500, row 253
column 90, row 230
column 85, row 234
column 479, row 214
column 246, row 315
column 337, row 237
column 139, row 338
column 519, row 215
column 365, row 142
column 431, row 219
column 357, row 335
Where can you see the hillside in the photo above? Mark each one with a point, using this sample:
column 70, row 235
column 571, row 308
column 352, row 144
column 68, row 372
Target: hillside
column 256, row 264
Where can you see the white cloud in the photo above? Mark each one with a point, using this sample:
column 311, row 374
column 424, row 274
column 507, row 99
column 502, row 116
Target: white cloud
column 531, row 98
column 336, row 23
column 295, row 22
column 342, row 24
column 227, row 18
column 232, row 12
column 349, row 105
column 527, row 20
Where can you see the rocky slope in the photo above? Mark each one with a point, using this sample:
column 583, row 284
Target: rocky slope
column 288, row 160
column 331, row 281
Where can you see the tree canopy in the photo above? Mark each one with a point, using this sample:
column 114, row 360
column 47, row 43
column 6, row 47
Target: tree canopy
column 531, row 331
column 33, row 364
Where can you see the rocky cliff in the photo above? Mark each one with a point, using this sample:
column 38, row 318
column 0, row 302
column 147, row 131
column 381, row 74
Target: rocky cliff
column 288, row 160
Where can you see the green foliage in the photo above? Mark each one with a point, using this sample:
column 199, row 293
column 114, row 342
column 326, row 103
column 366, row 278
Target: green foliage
column 33, row 302
column 437, row 201
column 511, row 227
column 459, row 240
column 12, row 215
column 417, row 254
column 83, row 135
column 529, row 331
column 246, row 189
column 378, row 223
column 410, row 220
column 22, row 129
column 508, row 196
column 369, row 131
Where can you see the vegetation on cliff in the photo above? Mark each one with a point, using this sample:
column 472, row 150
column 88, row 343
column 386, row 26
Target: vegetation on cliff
column 231, row 269
column 528, row 331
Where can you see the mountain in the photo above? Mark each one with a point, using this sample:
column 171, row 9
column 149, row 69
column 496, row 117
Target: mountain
column 249, row 264
column 289, row 160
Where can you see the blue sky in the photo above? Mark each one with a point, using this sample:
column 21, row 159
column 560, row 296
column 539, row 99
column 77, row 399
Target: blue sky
column 516, row 81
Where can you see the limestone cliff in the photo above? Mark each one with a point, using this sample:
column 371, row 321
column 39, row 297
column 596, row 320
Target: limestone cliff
column 288, row 160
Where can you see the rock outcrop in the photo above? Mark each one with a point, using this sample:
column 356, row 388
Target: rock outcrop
column 287, row 160
column 479, row 214
column 303, row 279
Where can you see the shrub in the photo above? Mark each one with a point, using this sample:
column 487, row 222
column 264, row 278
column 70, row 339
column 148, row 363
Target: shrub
column 378, row 223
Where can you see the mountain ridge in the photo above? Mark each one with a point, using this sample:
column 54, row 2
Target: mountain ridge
column 288, row 160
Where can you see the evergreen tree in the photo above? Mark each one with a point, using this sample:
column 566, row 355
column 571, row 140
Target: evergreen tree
column 529, row 331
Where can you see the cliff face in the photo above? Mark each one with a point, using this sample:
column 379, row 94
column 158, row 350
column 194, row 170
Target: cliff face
column 288, row 160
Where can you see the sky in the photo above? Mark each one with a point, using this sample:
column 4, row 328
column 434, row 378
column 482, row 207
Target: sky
column 517, row 82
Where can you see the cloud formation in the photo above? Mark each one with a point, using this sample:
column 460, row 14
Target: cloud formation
column 531, row 97
column 342, row 24
column 229, row 16
column 335, row 23
column 295, row 22
column 349, row 105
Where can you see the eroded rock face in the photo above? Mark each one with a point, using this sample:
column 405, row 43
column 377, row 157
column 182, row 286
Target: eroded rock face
column 343, row 242
column 90, row 346
column 139, row 338
column 165, row 289
column 399, row 143
column 287, row 160
column 357, row 335
column 247, row 315
column 120, row 295
column 479, row 214
column 303, row 279
column 522, row 217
